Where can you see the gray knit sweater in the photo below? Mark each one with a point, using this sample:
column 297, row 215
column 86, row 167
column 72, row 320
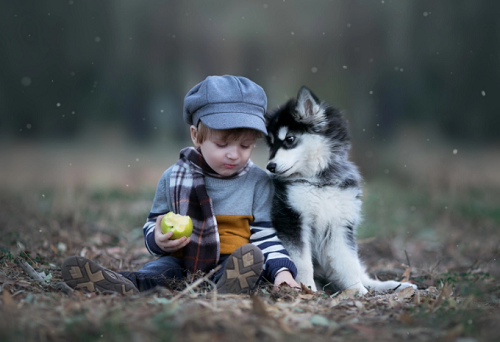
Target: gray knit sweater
column 242, row 199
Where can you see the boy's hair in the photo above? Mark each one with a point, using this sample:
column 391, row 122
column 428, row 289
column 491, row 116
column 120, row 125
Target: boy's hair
column 204, row 132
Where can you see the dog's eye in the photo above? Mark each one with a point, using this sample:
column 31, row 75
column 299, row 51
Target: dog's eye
column 290, row 139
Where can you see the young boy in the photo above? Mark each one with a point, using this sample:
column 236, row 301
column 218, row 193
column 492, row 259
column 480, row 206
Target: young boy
column 227, row 197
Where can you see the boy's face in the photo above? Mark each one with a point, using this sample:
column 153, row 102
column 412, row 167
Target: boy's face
column 225, row 157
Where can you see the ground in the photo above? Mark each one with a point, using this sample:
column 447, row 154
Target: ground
column 435, row 225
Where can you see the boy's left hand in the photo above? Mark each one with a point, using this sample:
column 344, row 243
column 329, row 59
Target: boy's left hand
column 285, row 277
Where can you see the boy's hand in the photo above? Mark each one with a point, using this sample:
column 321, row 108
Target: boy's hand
column 285, row 276
column 163, row 240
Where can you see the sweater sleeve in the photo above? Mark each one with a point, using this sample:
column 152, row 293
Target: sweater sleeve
column 264, row 236
column 161, row 205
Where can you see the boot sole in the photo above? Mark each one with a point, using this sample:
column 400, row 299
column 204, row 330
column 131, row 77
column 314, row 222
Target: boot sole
column 82, row 273
column 242, row 270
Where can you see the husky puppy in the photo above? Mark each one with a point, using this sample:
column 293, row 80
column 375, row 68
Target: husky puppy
column 317, row 205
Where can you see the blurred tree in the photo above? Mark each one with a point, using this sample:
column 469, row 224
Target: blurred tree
column 75, row 68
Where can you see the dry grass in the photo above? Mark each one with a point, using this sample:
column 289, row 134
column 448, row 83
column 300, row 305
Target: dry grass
column 443, row 225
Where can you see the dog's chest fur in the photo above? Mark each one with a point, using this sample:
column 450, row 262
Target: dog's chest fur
column 321, row 212
column 321, row 207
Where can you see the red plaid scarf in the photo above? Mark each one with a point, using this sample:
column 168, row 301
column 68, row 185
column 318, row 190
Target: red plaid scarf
column 189, row 197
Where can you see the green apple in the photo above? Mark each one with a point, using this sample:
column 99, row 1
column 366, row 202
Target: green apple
column 179, row 225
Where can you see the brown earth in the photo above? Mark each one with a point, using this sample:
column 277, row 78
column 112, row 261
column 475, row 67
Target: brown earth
column 432, row 220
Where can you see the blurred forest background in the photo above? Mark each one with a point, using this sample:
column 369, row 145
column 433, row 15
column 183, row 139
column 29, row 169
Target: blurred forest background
column 104, row 79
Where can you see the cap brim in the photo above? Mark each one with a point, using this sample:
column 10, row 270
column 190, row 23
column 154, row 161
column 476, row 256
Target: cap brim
column 235, row 120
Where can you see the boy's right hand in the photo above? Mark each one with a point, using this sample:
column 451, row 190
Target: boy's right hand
column 163, row 240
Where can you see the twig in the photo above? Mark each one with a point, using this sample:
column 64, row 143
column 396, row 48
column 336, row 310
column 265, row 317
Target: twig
column 407, row 259
column 63, row 287
column 474, row 264
column 59, row 286
column 21, row 248
column 214, row 293
column 437, row 264
column 28, row 269
column 367, row 240
column 196, row 283
column 326, row 285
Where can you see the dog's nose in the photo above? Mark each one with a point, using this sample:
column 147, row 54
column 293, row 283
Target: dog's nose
column 271, row 167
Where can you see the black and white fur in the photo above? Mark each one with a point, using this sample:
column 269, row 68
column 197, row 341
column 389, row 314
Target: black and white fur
column 317, row 204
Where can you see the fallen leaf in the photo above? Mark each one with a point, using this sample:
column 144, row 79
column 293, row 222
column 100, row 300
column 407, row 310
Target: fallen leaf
column 406, row 293
column 21, row 247
column 394, row 304
column 5, row 280
column 305, row 289
column 416, row 299
column 306, row 296
column 364, row 330
column 114, row 251
column 453, row 333
column 258, row 307
column 319, row 320
column 61, row 246
column 358, row 304
column 432, row 289
column 84, row 251
column 406, row 275
column 445, row 293
column 406, row 318
column 54, row 249
column 334, row 302
column 7, row 299
column 47, row 277
column 160, row 300
column 347, row 294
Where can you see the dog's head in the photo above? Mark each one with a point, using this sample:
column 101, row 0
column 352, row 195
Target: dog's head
column 305, row 136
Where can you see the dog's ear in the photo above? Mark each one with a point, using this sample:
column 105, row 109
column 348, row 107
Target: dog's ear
column 309, row 108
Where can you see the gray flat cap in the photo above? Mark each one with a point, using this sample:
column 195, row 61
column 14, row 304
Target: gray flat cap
column 225, row 102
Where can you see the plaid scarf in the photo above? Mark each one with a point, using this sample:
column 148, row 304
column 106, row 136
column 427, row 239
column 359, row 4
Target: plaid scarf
column 189, row 197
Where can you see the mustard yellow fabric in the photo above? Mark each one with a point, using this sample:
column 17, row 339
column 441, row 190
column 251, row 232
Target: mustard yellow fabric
column 234, row 231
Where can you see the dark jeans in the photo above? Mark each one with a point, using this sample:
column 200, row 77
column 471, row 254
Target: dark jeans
column 159, row 271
